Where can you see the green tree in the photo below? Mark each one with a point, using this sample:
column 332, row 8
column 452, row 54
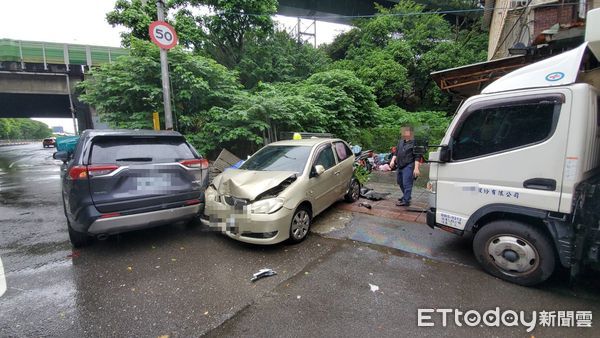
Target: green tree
column 278, row 57
column 227, row 28
column 395, row 52
column 127, row 91
column 21, row 128
column 334, row 101
column 429, row 125
column 221, row 34
column 136, row 16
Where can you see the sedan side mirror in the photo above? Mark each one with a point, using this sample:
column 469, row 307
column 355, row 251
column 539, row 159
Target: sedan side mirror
column 319, row 169
column 61, row 155
column 445, row 154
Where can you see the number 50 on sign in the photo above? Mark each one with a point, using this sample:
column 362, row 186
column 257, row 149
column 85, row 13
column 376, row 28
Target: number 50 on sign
column 162, row 34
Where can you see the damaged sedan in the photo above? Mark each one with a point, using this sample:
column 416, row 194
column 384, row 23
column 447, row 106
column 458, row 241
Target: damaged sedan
column 277, row 192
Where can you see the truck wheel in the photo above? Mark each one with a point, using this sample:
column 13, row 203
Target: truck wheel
column 300, row 224
column 353, row 191
column 517, row 252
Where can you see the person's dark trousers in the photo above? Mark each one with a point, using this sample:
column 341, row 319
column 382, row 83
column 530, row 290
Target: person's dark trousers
column 405, row 179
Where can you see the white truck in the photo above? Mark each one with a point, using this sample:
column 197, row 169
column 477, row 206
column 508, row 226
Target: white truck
column 519, row 167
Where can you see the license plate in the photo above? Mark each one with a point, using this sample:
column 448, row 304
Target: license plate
column 153, row 182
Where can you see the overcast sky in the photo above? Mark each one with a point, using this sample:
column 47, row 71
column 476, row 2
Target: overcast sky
column 83, row 22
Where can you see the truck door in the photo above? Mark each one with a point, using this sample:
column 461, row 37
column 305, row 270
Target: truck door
column 504, row 151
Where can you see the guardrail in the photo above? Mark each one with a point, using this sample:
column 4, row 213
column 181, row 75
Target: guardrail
column 57, row 53
column 17, row 142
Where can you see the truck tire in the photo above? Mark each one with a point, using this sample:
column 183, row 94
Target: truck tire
column 514, row 251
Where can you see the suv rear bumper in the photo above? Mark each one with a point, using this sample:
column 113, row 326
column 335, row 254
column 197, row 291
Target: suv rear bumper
column 125, row 223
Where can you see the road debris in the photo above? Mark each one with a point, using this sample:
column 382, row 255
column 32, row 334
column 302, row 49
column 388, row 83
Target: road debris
column 372, row 195
column 263, row 273
column 2, row 279
column 373, row 287
column 366, row 205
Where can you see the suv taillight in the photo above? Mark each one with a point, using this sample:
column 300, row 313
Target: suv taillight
column 200, row 163
column 82, row 172
column 78, row 172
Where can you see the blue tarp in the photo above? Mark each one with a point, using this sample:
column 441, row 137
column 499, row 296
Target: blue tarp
column 67, row 143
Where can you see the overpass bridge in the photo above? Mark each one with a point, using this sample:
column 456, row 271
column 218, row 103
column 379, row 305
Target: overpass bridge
column 38, row 79
column 337, row 11
column 330, row 10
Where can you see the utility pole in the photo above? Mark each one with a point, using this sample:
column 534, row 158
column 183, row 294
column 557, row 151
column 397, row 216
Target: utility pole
column 164, row 66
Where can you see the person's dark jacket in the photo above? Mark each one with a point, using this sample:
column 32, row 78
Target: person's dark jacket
column 405, row 154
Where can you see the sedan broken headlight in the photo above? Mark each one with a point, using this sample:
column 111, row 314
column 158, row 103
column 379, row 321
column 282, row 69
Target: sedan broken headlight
column 267, row 206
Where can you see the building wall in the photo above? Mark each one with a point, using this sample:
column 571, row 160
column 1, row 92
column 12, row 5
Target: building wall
column 511, row 24
column 546, row 17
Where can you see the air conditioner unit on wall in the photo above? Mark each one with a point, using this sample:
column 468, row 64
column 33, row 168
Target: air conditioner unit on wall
column 518, row 3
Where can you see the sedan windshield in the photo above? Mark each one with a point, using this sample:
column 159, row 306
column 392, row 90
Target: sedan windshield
column 279, row 158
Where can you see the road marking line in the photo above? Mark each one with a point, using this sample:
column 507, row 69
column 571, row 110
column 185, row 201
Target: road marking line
column 2, row 279
column 11, row 165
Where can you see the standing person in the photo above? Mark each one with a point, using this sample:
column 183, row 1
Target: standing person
column 407, row 165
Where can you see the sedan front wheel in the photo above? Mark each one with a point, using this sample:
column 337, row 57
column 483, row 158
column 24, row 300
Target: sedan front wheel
column 300, row 225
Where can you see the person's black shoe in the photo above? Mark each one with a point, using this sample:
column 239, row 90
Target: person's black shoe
column 403, row 204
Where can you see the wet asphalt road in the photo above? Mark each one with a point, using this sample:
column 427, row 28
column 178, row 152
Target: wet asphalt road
column 186, row 281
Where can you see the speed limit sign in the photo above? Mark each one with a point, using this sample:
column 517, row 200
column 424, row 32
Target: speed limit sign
column 163, row 35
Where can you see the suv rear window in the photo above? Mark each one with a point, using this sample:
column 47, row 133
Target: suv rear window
column 143, row 150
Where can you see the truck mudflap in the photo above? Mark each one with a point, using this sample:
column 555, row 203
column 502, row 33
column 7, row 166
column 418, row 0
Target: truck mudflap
column 587, row 227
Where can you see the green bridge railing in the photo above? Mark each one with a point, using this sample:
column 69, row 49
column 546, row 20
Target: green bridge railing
column 57, row 53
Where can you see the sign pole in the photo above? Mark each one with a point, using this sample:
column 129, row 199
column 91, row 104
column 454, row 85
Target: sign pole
column 164, row 66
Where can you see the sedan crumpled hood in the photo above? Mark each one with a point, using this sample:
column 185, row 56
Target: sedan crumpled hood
column 248, row 184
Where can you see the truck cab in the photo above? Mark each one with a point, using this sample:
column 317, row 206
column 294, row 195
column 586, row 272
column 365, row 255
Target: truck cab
column 514, row 159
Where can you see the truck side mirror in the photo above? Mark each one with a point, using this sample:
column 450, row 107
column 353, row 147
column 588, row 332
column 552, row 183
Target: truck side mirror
column 445, row 154
column 421, row 147
column 420, row 151
column 61, row 155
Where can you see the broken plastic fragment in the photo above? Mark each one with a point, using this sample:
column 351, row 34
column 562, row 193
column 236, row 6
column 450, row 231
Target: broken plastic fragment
column 263, row 273
column 366, row 205
column 373, row 287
